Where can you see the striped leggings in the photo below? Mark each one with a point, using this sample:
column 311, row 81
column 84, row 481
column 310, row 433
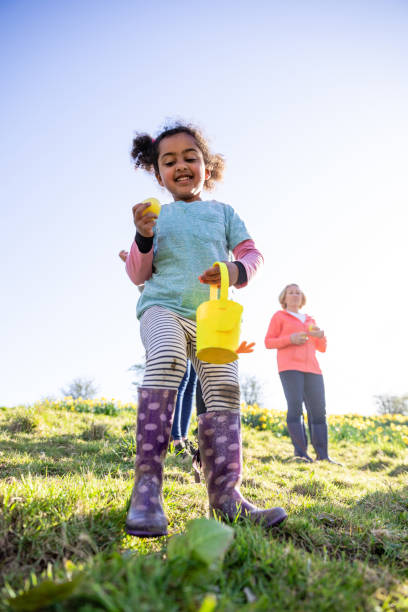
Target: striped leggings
column 169, row 339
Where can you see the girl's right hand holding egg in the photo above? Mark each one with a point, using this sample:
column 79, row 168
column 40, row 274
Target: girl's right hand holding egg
column 144, row 222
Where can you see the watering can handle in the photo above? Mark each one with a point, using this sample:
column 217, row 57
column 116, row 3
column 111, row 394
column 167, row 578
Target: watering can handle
column 224, row 283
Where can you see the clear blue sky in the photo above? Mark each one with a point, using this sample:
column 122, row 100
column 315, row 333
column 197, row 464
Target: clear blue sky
column 308, row 103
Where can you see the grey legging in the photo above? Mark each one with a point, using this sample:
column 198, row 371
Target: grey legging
column 305, row 387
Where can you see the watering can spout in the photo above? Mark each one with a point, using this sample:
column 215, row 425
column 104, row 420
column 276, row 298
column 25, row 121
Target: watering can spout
column 218, row 324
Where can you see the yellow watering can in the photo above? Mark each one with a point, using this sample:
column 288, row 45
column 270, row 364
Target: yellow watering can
column 218, row 324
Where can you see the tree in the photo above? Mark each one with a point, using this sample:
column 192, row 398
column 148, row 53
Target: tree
column 139, row 369
column 80, row 387
column 392, row 404
column 251, row 387
column 251, row 390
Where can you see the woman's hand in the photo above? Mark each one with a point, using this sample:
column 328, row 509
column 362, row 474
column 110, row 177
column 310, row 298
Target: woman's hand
column 212, row 276
column 144, row 223
column 316, row 331
column 298, row 338
column 123, row 255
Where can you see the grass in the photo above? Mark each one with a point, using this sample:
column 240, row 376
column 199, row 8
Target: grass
column 66, row 477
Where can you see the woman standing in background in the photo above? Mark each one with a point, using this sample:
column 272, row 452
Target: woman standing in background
column 297, row 337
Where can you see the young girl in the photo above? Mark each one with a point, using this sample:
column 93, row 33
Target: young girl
column 173, row 256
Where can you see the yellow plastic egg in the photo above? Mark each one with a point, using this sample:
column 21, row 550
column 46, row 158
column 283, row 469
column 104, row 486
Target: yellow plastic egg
column 154, row 207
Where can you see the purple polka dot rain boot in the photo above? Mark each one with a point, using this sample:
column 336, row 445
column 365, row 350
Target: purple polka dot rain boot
column 221, row 456
column 146, row 518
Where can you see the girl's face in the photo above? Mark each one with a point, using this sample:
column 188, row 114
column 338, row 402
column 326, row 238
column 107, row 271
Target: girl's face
column 293, row 297
column 181, row 167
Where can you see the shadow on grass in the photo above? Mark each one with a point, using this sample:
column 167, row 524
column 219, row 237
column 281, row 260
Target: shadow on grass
column 78, row 538
column 375, row 466
column 373, row 530
column 275, row 457
column 63, row 455
column 398, row 470
column 313, row 488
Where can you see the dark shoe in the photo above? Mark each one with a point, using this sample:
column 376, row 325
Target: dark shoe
column 330, row 460
column 297, row 459
column 146, row 518
column 220, row 451
column 180, row 451
column 176, row 446
column 299, row 440
column 320, row 443
column 190, row 447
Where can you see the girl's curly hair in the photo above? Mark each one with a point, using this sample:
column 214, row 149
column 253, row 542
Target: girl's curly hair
column 145, row 151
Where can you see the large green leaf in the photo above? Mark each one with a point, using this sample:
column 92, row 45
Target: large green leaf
column 178, row 547
column 205, row 540
column 209, row 540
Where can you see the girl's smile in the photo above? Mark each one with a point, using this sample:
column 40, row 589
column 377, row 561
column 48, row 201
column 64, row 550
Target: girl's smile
column 181, row 167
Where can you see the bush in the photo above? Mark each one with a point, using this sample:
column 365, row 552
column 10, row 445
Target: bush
column 96, row 406
column 25, row 422
column 392, row 404
column 96, row 431
column 349, row 427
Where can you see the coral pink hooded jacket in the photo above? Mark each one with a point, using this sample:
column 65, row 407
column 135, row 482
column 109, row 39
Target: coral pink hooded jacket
column 301, row 357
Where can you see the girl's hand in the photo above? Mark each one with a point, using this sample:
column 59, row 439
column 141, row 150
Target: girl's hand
column 316, row 331
column 123, row 255
column 144, row 223
column 212, row 276
column 298, row 338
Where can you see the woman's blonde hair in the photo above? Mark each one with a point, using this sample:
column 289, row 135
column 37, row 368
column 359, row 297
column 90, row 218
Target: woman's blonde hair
column 282, row 295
